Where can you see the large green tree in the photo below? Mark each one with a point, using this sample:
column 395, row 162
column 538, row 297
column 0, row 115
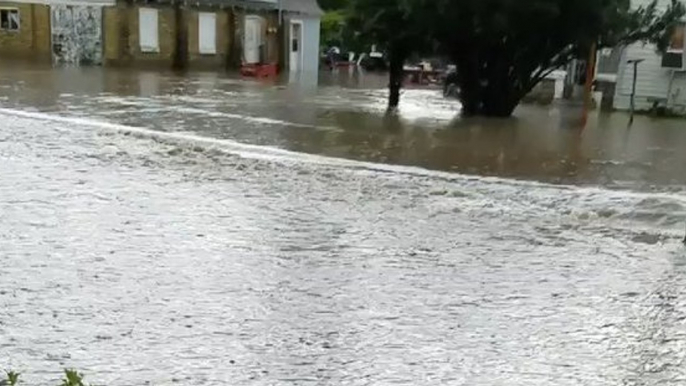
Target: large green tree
column 503, row 48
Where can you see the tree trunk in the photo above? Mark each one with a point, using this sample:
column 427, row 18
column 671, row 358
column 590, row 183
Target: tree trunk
column 468, row 80
column 486, row 88
column 482, row 103
column 499, row 106
column 396, row 75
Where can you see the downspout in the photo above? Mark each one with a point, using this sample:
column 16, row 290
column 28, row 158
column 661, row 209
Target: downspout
column 282, row 45
column 280, row 13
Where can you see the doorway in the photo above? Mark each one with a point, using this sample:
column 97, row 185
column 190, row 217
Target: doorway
column 252, row 39
column 295, row 59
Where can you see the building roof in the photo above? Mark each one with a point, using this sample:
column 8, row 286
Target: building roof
column 94, row 3
column 303, row 7
column 247, row 4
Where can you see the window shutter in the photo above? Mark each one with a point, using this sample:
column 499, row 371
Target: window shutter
column 148, row 30
column 207, row 33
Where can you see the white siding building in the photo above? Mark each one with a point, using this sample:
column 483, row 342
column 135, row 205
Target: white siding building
column 658, row 83
column 303, row 24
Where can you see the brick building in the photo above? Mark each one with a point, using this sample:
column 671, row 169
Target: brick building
column 59, row 31
column 24, row 31
column 208, row 34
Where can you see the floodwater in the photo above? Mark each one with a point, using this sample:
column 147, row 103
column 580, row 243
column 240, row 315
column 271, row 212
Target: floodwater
column 206, row 230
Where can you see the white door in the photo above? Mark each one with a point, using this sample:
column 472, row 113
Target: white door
column 252, row 40
column 296, row 49
column 207, row 33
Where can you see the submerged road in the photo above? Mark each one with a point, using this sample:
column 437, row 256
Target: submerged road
column 146, row 252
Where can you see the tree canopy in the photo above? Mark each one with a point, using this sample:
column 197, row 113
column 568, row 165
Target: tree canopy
column 332, row 5
column 503, row 48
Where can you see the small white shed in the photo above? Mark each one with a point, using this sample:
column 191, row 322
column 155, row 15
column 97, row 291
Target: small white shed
column 660, row 79
column 302, row 23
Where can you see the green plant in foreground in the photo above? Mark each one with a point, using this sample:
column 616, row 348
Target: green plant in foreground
column 72, row 378
column 12, row 379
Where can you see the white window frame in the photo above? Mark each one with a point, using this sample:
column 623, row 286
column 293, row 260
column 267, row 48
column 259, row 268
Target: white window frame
column 11, row 10
column 202, row 48
column 149, row 44
column 301, row 42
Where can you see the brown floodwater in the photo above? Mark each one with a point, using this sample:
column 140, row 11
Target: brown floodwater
column 206, row 230
column 342, row 115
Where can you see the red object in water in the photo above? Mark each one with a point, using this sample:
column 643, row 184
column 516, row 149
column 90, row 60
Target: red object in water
column 257, row 70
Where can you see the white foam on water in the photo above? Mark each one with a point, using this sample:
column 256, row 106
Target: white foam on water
column 505, row 195
column 218, row 114
column 248, row 118
column 256, row 151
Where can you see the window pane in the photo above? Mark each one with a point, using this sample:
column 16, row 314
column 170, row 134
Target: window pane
column 14, row 19
column 4, row 19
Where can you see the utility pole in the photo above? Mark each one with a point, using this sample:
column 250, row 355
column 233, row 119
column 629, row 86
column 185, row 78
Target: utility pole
column 635, row 63
column 590, row 76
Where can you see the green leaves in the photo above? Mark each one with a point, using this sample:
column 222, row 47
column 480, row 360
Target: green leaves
column 330, row 5
column 503, row 48
column 400, row 23
column 12, row 379
column 71, row 378
column 333, row 24
column 552, row 24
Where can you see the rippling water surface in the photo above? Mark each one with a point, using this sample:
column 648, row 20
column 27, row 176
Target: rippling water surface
column 209, row 252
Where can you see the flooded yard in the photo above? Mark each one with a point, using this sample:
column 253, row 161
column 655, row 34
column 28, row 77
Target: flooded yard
column 206, row 230
column 544, row 144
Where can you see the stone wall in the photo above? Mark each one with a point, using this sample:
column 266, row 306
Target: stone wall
column 272, row 38
column 122, row 40
column 32, row 41
column 224, row 40
column 122, row 45
column 115, row 34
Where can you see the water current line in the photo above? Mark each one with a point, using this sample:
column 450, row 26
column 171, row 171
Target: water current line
column 274, row 154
